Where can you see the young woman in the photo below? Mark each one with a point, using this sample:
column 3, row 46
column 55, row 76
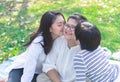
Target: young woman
column 29, row 64
column 58, row 64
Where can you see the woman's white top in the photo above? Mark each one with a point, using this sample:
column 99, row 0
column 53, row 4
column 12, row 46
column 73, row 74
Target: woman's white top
column 61, row 59
column 31, row 60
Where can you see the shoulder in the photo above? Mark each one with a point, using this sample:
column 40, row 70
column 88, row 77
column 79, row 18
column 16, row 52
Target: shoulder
column 59, row 43
column 81, row 54
column 39, row 38
column 60, row 40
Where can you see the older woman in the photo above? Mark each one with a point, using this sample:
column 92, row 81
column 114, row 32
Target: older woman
column 58, row 65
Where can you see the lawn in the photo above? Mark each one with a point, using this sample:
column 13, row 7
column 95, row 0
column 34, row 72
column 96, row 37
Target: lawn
column 19, row 18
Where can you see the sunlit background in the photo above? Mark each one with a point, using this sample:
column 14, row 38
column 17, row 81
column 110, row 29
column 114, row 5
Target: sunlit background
column 19, row 18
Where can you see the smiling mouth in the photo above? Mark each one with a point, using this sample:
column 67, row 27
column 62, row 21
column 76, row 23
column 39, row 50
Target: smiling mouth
column 68, row 33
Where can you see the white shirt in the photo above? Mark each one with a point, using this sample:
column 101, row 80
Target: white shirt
column 31, row 60
column 61, row 59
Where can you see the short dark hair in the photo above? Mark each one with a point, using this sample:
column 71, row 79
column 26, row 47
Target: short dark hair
column 88, row 35
column 78, row 17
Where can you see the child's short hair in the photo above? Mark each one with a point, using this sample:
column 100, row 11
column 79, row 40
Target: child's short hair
column 88, row 35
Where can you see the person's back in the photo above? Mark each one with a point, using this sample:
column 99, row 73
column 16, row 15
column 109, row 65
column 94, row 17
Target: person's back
column 95, row 65
column 91, row 60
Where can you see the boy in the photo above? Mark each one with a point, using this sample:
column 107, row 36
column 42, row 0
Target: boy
column 91, row 61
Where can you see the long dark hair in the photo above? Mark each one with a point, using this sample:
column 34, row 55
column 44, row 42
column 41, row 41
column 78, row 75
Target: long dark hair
column 46, row 22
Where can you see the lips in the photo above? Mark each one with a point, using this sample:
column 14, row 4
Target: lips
column 68, row 33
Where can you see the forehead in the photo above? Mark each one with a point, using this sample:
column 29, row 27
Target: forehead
column 72, row 21
column 59, row 18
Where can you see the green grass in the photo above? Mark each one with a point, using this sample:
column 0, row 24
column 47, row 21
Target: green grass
column 15, row 27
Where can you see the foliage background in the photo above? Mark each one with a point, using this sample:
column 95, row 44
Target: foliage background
column 19, row 18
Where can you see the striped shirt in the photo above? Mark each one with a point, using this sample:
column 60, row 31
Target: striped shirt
column 95, row 66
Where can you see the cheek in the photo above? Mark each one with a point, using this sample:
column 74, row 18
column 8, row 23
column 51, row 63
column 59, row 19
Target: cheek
column 57, row 30
column 54, row 28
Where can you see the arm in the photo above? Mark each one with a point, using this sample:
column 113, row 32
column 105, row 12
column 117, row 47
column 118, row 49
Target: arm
column 49, row 67
column 53, row 75
column 33, row 52
column 80, row 69
column 3, row 80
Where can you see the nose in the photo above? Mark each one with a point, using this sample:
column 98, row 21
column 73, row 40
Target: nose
column 62, row 27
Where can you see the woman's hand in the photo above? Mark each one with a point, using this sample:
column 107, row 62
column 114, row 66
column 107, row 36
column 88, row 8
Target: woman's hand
column 53, row 75
column 3, row 80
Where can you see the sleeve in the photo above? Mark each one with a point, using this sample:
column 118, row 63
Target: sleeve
column 33, row 52
column 50, row 62
column 80, row 69
column 108, row 53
